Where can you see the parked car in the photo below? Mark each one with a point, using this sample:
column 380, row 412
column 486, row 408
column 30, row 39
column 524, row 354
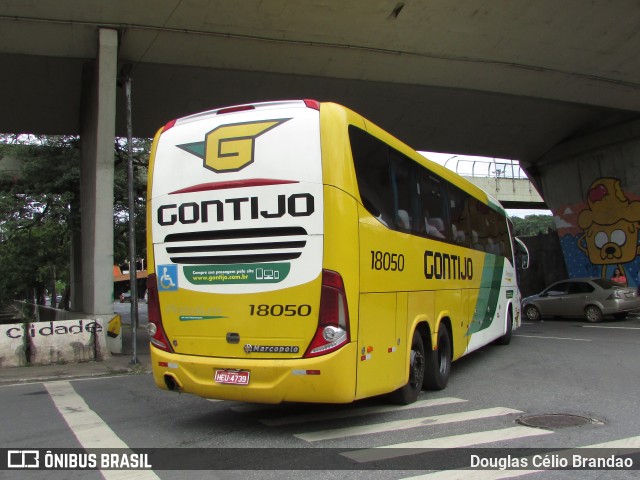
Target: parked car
column 125, row 297
column 592, row 298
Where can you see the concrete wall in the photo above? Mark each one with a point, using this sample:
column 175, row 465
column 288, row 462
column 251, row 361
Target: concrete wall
column 546, row 263
column 43, row 343
column 509, row 190
column 593, row 188
column 42, row 335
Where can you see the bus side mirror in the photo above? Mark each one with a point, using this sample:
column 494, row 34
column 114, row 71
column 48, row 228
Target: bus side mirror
column 522, row 252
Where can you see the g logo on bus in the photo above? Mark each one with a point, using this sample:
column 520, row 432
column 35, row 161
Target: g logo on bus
column 229, row 148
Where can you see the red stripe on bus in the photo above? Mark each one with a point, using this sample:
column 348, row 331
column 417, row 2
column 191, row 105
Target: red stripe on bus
column 255, row 182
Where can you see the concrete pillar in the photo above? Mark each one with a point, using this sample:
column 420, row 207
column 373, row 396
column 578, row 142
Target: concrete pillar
column 97, row 171
column 593, row 188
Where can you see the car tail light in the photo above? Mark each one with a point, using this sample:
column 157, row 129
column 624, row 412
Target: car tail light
column 156, row 331
column 616, row 295
column 333, row 319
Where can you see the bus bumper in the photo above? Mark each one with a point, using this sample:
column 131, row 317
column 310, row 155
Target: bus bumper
column 326, row 379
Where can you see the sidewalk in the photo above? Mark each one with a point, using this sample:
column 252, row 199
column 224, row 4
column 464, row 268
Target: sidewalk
column 116, row 364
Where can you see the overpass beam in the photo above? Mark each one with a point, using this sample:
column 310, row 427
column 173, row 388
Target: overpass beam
column 94, row 294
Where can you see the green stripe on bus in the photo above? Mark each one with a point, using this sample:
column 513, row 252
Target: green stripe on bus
column 489, row 294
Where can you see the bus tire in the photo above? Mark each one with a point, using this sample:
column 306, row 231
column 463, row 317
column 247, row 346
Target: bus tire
column 438, row 362
column 409, row 392
column 506, row 338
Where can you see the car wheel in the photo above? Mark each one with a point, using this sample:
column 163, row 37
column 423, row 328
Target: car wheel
column 409, row 392
column 438, row 364
column 593, row 314
column 532, row 313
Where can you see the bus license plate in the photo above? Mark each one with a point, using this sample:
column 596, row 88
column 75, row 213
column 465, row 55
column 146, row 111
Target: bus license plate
column 233, row 377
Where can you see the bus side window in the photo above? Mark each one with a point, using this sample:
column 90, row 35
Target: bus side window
column 459, row 213
column 478, row 213
column 433, row 197
column 372, row 171
column 404, row 188
column 496, row 228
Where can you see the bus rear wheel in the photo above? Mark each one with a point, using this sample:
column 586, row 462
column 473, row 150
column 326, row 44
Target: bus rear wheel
column 409, row 392
column 439, row 362
column 506, row 338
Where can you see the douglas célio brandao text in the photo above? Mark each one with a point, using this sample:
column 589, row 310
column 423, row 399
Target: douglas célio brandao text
column 552, row 462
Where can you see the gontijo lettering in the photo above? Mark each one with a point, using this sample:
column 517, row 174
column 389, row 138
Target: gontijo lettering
column 443, row 266
column 296, row 205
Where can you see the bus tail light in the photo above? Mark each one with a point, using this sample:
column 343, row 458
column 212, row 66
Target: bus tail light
column 169, row 125
column 156, row 332
column 333, row 320
column 312, row 104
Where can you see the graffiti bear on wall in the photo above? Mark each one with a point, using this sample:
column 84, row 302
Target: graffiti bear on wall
column 610, row 224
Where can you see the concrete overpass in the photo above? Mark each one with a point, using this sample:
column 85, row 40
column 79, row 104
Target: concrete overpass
column 553, row 84
column 502, row 179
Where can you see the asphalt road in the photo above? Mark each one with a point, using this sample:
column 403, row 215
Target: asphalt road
column 124, row 310
column 551, row 367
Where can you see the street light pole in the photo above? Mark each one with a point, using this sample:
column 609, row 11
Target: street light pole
column 133, row 277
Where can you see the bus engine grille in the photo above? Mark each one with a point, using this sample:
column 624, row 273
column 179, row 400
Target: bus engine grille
column 222, row 247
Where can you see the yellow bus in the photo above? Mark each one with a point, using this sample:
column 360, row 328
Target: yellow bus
column 297, row 252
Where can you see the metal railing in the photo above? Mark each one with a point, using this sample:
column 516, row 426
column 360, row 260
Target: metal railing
column 499, row 169
column 493, row 168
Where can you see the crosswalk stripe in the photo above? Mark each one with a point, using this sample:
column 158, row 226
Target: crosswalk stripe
column 405, row 424
column 625, row 443
column 90, row 430
column 473, row 474
column 355, row 412
column 454, row 441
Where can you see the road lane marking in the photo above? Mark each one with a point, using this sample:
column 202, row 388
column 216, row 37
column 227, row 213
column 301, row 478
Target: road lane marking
column 90, row 430
column 454, row 441
column 355, row 412
column 404, row 424
column 612, row 328
column 554, row 338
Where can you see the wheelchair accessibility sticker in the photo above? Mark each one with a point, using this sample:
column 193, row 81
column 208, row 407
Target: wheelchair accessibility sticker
column 168, row 277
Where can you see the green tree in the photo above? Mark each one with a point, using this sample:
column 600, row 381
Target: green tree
column 40, row 208
column 532, row 225
column 141, row 149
